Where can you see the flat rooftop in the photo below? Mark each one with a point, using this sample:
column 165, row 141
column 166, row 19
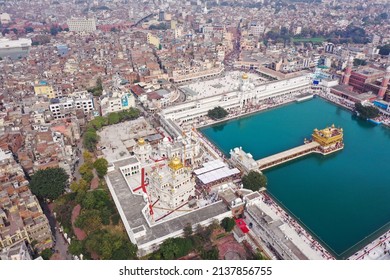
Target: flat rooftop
column 227, row 83
column 132, row 206
column 345, row 89
column 368, row 71
column 115, row 139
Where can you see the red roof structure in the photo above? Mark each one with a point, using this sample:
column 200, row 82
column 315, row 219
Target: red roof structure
column 242, row 225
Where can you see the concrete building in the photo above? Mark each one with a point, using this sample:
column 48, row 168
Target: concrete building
column 66, row 106
column 257, row 29
column 21, row 216
column 18, row 251
column 173, row 184
column 61, row 107
column 134, row 210
column 242, row 160
column 43, row 88
column 82, row 25
column 153, row 40
column 247, row 93
column 368, row 80
column 184, row 146
column 116, row 101
column 5, row 18
column 142, row 150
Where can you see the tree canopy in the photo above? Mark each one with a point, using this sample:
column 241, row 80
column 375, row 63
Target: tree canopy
column 384, row 50
column 366, row 112
column 101, row 165
column 98, row 89
column 113, row 118
column 111, row 246
column 80, row 186
column 46, row 254
column 217, row 113
column 212, row 254
column 254, row 181
column 89, row 220
column 90, row 136
column 90, row 140
column 174, row 248
column 49, row 183
column 228, row 224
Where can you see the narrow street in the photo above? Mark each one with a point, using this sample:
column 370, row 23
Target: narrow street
column 61, row 246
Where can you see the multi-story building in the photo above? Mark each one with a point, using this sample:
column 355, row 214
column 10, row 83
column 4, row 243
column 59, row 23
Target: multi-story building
column 61, row 107
column 369, row 79
column 5, row 18
column 43, row 88
column 247, row 93
column 83, row 100
column 116, row 101
column 17, row 251
column 153, row 40
column 65, row 106
column 21, row 216
column 257, row 29
column 82, row 25
column 172, row 184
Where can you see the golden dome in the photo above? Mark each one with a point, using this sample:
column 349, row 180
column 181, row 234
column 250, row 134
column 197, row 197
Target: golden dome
column 244, row 76
column 175, row 163
column 141, row 141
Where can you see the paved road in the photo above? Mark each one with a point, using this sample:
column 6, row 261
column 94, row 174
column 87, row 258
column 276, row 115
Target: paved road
column 61, row 246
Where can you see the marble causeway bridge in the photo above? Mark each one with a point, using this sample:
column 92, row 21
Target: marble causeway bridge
column 325, row 141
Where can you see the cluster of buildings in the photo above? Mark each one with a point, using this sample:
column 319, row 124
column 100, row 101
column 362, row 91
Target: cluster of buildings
column 21, row 216
column 175, row 59
column 364, row 83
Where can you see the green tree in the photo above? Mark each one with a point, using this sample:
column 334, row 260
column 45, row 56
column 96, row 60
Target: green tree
column 98, row 89
column 217, row 113
column 98, row 122
column 53, row 31
column 84, row 168
column 80, row 186
column 259, row 255
column 384, row 50
column 174, row 248
column 90, row 140
column 76, row 247
column 88, row 159
column 89, row 220
column 113, row 118
column 358, row 62
column 46, row 254
column 101, row 166
column 254, row 181
column 188, row 230
column 63, row 208
column 29, row 29
column 111, row 245
column 228, row 224
column 366, row 112
column 88, row 176
column 49, row 183
column 89, row 201
column 212, row 254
